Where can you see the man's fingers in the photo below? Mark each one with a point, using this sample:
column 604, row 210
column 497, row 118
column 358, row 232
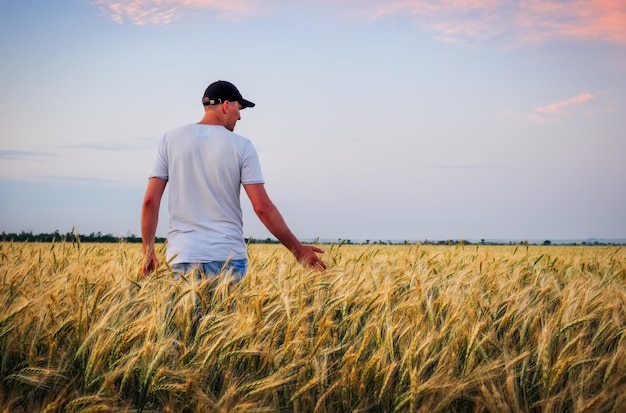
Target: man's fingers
column 148, row 268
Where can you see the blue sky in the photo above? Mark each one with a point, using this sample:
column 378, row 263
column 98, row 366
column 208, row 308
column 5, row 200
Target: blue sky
column 410, row 119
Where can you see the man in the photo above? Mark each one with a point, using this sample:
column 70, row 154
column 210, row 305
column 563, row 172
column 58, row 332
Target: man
column 205, row 165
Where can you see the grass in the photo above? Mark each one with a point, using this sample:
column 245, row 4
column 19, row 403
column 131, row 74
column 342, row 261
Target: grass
column 385, row 328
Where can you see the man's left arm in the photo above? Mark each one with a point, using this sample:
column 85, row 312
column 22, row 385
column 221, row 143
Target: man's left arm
column 274, row 222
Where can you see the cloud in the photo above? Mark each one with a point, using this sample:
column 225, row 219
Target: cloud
column 137, row 144
column 559, row 107
column 463, row 166
column 603, row 20
column 454, row 21
column 64, row 179
column 23, row 155
column 551, row 111
column 163, row 12
column 81, row 180
column 512, row 21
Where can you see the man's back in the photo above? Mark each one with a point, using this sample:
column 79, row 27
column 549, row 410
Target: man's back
column 205, row 166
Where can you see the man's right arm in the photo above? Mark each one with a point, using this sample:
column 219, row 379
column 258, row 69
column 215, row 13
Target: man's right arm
column 149, row 221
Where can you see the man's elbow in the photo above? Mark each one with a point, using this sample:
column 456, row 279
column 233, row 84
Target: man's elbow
column 261, row 211
column 150, row 204
column 264, row 210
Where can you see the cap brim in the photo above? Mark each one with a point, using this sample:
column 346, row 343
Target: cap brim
column 246, row 104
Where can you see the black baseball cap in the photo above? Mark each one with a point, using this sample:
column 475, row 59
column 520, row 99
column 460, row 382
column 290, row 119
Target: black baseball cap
column 221, row 91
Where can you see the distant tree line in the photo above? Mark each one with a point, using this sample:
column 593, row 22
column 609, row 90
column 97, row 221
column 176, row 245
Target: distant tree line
column 72, row 236
column 57, row 236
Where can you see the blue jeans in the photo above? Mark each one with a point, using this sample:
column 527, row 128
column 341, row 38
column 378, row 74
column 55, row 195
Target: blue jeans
column 238, row 268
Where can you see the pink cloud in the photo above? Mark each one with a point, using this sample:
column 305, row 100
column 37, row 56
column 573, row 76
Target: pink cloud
column 604, row 20
column 511, row 21
column 559, row 107
column 554, row 111
column 523, row 21
column 163, row 12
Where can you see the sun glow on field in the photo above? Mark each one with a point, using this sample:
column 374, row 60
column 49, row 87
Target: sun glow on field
column 385, row 328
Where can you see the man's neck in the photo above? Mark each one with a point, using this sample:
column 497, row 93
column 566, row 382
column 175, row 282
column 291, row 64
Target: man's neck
column 211, row 119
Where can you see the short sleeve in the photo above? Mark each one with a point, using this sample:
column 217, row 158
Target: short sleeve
column 159, row 168
column 251, row 167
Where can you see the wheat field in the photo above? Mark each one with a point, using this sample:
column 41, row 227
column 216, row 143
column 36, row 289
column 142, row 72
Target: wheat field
column 385, row 329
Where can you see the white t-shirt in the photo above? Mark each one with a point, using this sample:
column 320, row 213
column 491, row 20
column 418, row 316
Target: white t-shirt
column 205, row 167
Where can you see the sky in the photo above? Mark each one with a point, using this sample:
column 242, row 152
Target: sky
column 374, row 120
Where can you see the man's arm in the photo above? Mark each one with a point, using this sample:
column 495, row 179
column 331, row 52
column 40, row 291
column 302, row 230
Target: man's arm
column 274, row 222
column 149, row 221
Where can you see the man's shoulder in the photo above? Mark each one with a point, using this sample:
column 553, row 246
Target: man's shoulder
column 176, row 133
column 180, row 129
column 213, row 131
column 241, row 138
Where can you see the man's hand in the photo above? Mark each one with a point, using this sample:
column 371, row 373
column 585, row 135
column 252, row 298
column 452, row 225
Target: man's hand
column 307, row 256
column 150, row 263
